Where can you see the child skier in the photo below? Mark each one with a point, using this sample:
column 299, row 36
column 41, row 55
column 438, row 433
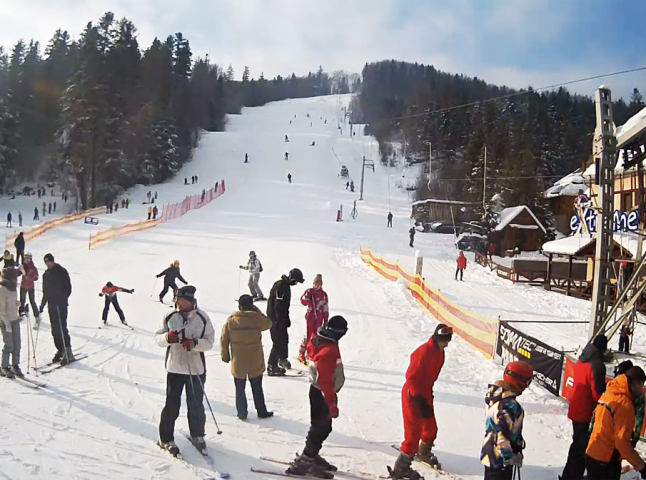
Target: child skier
column 462, row 264
column 110, row 291
column 316, row 301
column 327, row 379
column 502, row 450
column 417, row 404
column 9, row 319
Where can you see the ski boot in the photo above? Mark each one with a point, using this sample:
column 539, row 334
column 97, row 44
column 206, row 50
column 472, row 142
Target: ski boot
column 275, row 371
column 324, row 464
column 171, row 447
column 57, row 358
column 426, row 456
column 402, row 469
column 67, row 357
column 284, row 363
column 17, row 372
column 200, row 445
column 265, row 414
column 36, row 322
column 304, row 465
column 6, row 372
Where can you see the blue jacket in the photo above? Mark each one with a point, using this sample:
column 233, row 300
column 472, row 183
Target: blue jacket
column 503, row 426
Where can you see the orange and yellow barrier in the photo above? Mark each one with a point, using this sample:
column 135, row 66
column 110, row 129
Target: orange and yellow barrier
column 479, row 331
column 104, row 236
column 34, row 232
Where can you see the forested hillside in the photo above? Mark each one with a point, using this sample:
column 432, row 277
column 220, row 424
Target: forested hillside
column 105, row 114
column 531, row 138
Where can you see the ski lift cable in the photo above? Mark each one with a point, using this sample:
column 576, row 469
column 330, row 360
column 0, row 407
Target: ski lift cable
column 516, row 94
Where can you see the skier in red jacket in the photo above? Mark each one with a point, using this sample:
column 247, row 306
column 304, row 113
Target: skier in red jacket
column 316, row 301
column 417, row 404
column 589, row 383
column 326, row 378
column 462, row 264
column 29, row 278
column 110, row 291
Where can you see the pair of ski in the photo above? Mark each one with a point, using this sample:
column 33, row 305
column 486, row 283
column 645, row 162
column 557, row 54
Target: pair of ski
column 123, row 324
column 28, row 382
column 202, row 452
column 341, row 473
column 51, row 366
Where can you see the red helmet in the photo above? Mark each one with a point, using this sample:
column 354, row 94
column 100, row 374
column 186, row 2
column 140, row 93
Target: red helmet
column 518, row 375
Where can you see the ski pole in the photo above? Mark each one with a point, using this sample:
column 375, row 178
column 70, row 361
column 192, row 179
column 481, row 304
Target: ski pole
column 219, row 432
column 154, row 286
column 239, row 279
column 60, row 325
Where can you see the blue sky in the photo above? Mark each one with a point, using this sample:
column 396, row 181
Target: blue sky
column 511, row 42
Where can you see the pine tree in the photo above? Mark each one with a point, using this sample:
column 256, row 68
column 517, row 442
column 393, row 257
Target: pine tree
column 230, row 76
column 245, row 74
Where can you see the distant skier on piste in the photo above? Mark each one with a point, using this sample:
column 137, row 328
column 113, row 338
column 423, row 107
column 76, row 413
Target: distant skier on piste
column 316, row 301
column 254, row 267
column 110, row 292
column 171, row 274
column 502, row 449
column 278, row 312
column 417, row 404
column 10, row 320
column 327, row 379
column 186, row 334
column 411, row 233
column 19, row 243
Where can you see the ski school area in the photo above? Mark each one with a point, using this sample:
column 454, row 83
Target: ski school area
column 99, row 416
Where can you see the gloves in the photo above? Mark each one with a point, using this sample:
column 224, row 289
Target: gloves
column 129, row 291
column 643, row 472
column 172, row 336
column 189, row 344
column 41, row 309
column 334, row 411
column 158, row 276
column 425, row 410
column 516, row 460
column 100, row 294
column 241, row 267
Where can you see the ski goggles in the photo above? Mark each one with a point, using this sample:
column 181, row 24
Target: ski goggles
column 515, row 375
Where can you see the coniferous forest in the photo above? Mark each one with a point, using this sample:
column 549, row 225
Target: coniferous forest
column 101, row 113
column 531, row 139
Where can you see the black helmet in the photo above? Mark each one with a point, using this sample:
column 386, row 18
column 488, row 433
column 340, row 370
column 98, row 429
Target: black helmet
column 295, row 275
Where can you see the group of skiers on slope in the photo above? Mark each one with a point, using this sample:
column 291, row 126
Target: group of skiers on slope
column 607, row 417
column 57, row 289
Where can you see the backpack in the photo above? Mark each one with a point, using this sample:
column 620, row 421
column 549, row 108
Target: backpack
column 260, row 264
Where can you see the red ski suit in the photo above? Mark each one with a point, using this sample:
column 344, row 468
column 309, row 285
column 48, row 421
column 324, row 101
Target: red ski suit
column 425, row 365
column 315, row 299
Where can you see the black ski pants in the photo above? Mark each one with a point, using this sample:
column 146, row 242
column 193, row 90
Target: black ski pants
column 412, row 239
column 575, row 465
column 20, row 256
column 461, row 272
column 280, row 347
column 390, row 222
column 624, row 344
column 58, row 321
column 498, row 473
column 32, row 300
column 604, row 471
column 241, row 396
column 112, row 300
column 321, row 423
column 166, row 287
column 175, row 384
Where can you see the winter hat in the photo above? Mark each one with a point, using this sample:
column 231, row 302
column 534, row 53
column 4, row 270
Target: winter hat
column 318, row 280
column 601, row 343
column 252, row 253
column 187, row 292
column 49, row 258
column 109, row 285
column 443, row 333
column 245, row 302
column 335, row 328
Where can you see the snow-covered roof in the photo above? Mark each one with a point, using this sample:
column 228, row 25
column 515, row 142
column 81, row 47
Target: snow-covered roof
column 440, row 201
column 510, row 213
column 574, row 244
column 567, row 186
column 633, row 127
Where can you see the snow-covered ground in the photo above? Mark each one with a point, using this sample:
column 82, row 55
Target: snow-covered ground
column 98, row 418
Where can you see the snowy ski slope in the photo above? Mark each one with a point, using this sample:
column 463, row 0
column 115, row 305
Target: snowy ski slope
column 98, row 418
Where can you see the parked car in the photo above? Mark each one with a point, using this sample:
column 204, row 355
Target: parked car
column 472, row 242
column 444, row 227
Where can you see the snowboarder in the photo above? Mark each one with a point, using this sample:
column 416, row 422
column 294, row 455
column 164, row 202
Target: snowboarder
column 589, row 383
column 316, row 301
column 327, row 379
column 170, row 275
column 110, row 292
column 286, row 155
column 57, row 289
column 20, row 218
column 29, row 278
column 19, row 243
column 246, row 158
column 186, row 334
column 278, row 313
column 352, row 185
column 10, row 320
column 502, row 450
column 155, row 212
column 417, row 404
column 36, row 215
column 624, row 338
column 289, row 177
column 614, row 422
column 390, row 219
column 9, row 220
column 254, row 267
column 241, row 344
column 411, row 233
column 462, row 264
column 150, row 212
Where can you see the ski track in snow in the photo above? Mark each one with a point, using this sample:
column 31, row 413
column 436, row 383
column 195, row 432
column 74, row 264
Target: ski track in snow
column 98, row 418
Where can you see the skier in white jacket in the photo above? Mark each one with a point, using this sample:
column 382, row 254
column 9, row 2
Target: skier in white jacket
column 186, row 334
column 254, row 267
